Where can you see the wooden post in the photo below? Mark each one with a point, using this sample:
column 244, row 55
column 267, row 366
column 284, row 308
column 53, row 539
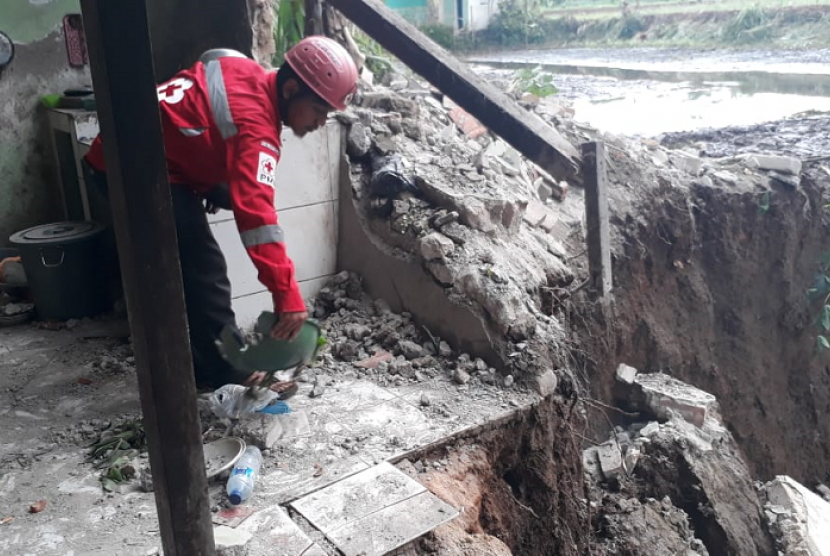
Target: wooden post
column 525, row 131
column 313, row 17
column 596, row 215
column 125, row 91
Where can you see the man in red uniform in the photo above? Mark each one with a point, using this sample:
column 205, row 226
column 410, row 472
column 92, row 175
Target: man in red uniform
column 222, row 120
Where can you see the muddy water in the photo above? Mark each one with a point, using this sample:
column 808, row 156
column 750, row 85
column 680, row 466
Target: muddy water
column 652, row 91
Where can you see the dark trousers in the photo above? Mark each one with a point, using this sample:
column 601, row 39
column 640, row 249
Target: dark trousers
column 207, row 290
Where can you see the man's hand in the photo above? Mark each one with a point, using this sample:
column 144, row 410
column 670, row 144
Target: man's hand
column 289, row 325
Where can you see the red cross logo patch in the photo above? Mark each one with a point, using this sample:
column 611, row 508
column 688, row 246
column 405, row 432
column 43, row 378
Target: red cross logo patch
column 267, row 169
column 173, row 91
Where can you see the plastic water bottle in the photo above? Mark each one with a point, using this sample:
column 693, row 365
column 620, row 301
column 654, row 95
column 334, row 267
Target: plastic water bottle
column 244, row 475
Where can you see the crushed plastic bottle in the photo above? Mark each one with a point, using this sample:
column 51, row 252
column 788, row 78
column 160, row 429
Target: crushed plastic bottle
column 244, row 476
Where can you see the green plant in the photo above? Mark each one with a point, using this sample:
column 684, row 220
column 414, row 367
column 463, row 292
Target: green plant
column 821, row 290
column 748, row 26
column 114, row 450
column 378, row 60
column 441, row 34
column 535, row 81
column 289, row 27
column 764, row 203
column 516, row 23
column 630, row 25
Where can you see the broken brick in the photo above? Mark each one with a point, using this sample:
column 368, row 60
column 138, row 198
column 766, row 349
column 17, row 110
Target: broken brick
column 37, row 507
column 375, row 360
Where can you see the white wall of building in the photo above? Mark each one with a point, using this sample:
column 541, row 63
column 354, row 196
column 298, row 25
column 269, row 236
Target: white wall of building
column 306, row 202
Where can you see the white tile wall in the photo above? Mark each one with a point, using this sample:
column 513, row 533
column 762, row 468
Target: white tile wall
column 306, row 203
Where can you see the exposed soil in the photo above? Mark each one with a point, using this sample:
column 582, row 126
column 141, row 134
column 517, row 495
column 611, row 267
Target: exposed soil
column 711, row 289
column 520, row 486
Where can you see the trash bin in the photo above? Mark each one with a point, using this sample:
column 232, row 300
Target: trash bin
column 65, row 268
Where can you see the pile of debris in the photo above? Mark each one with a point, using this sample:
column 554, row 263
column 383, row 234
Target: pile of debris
column 678, row 484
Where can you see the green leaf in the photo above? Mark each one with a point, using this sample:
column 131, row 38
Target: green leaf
column 108, row 484
column 114, row 474
column 764, row 203
column 822, row 344
column 825, row 318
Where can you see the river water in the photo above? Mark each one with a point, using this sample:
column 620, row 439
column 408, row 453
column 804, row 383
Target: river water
column 648, row 91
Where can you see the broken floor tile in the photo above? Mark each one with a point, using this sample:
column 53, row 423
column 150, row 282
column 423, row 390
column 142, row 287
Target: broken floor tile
column 276, row 533
column 356, row 497
column 392, row 418
column 392, row 527
column 231, row 542
column 289, row 484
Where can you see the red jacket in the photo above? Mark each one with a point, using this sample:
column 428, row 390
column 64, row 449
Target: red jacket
column 221, row 125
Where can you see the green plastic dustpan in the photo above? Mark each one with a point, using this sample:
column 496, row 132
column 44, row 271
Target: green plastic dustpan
column 268, row 354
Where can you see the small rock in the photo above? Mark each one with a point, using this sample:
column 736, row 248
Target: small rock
column 650, row 430
column 626, row 374
column 461, row 376
column 317, row 391
column 610, row 460
column 412, row 129
column 546, row 383
column 425, row 401
column 445, row 218
column 441, row 272
column 358, row 141
column 632, row 456
column 444, row 349
column 401, row 207
column 436, row 246
column 37, row 507
column 544, row 190
column 455, row 232
column 508, row 381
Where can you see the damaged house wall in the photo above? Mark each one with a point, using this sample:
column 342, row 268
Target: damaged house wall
column 29, row 193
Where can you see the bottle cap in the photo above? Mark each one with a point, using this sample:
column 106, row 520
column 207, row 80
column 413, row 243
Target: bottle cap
column 235, row 497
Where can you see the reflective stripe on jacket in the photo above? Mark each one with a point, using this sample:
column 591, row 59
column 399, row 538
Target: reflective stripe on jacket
column 221, row 124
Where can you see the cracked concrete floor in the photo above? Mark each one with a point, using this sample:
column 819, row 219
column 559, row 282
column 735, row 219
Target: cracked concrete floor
column 45, row 410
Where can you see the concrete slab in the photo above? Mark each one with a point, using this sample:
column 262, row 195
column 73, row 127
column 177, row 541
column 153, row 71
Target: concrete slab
column 273, row 532
column 626, row 374
column 392, row 527
column 804, row 526
column 356, row 497
column 665, row 395
column 610, row 459
column 231, row 542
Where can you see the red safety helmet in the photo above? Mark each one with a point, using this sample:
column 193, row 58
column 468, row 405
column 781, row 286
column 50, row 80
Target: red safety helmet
column 326, row 68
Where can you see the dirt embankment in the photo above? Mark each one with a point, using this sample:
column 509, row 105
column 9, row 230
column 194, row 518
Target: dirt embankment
column 785, row 27
column 711, row 288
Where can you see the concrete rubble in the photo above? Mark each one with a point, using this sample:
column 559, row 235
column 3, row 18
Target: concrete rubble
column 798, row 517
column 689, row 460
